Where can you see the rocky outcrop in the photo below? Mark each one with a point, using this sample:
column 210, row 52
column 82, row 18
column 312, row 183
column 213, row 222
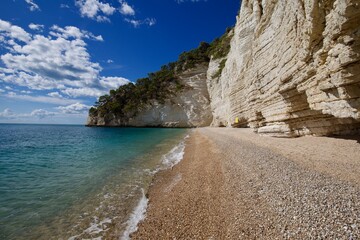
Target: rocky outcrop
column 293, row 68
column 188, row 108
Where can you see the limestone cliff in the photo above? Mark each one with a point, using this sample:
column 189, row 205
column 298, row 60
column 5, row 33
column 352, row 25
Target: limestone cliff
column 189, row 107
column 293, row 68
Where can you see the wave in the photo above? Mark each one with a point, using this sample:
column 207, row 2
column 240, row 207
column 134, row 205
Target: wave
column 175, row 155
column 136, row 217
column 169, row 160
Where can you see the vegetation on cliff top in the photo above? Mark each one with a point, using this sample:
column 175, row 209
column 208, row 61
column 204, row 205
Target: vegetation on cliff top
column 128, row 99
column 220, row 47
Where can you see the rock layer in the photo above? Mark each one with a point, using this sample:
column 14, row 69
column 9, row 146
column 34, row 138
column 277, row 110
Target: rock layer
column 189, row 108
column 293, row 68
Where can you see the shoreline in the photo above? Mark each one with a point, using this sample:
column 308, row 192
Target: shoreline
column 168, row 160
column 233, row 183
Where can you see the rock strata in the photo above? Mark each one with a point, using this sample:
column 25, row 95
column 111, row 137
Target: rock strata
column 293, row 68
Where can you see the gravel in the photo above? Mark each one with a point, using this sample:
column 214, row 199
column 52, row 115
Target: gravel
column 241, row 186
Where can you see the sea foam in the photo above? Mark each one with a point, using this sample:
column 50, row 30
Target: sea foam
column 175, row 155
column 136, row 217
column 169, row 160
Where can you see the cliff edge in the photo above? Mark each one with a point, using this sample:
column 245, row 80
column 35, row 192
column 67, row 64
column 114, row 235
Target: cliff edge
column 293, row 69
column 189, row 107
column 174, row 96
column 287, row 69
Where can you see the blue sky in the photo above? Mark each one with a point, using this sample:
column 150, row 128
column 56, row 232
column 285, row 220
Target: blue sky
column 58, row 56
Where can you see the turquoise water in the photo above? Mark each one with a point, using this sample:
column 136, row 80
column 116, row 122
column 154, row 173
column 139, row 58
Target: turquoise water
column 61, row 181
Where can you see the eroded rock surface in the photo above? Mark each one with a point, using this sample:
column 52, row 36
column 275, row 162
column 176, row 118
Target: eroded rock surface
column 189, row 108
column 293, row 68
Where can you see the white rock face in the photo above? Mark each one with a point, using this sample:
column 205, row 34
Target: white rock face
column 293, row 68
column 189, row 108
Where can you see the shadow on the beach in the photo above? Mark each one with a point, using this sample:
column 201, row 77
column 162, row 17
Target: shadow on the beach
column 348, row 137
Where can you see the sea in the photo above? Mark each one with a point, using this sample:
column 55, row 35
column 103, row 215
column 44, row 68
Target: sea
column 74, row 182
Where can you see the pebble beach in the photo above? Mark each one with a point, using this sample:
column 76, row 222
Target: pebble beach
column 235, row 184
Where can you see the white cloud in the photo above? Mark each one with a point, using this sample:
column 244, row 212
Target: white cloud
column 75, row 108
column 150, row 21
column 7, row 30
column 2, row 90
column 37, row 27
column 46, row 63
column 7, row 113
column 109, row 61
column 55, row 94
column 73, row 32
column 95, row 9
column 59, row 62
column 137, row 23
column 41, row 113
column 126, row 9
column 64, row 5
column 100, row 11
column 81, row 92
column 26, row 92
column 112, row 82
column 42, row 99
column 33, row 6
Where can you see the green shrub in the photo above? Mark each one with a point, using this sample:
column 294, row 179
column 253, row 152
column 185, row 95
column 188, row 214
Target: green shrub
column 221, row 67
column 128, row 100
column 220, row 47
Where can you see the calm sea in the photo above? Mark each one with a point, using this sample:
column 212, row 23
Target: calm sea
column 73, row 182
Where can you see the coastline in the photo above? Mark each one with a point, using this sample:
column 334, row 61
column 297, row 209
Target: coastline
column 235, row 184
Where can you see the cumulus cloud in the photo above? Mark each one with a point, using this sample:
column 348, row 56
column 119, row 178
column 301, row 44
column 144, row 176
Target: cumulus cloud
column 126, row 9
column 32, row 5
column 37, row 27
column 7, row 113
column 75, row 108
column 81, row 92
column 73, row 32
column 128, row 12
column 7, row 30
column 112, row 82
column 58, row 62
column 95, row 9
column 100, row 11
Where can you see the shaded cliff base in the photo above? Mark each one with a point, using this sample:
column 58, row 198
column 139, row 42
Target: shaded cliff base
column 234, row 184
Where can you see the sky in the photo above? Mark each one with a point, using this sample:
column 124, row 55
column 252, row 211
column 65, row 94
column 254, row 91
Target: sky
column 58, row 56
